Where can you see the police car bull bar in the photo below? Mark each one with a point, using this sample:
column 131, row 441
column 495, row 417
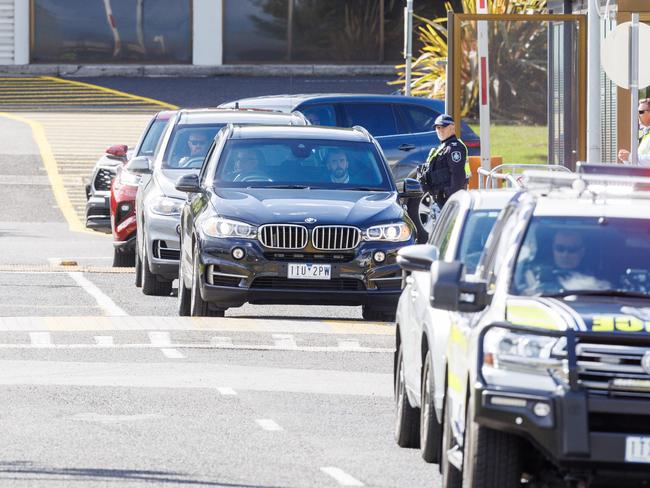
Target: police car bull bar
column 597, row 180
column 511, row 175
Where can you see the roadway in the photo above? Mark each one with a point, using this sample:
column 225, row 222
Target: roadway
column 103, row 386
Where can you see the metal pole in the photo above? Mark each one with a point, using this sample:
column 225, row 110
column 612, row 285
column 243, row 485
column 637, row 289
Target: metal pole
column 449, row 69
column 408, row 44
column 594, row 154
column 634, row 89
column 484, row 85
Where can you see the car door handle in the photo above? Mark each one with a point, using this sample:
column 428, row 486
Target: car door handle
column 406, row 147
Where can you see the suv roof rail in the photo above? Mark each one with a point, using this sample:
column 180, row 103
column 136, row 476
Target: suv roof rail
column 512, row 174
column 364, row 131
column 597, row 185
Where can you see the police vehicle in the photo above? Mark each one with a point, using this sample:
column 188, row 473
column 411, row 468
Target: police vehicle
column 547, row 364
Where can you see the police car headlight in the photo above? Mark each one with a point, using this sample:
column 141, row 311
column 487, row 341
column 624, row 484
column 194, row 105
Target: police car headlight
column 506, row 349
column 397, row 232
column 167, row 206
column 224, row 228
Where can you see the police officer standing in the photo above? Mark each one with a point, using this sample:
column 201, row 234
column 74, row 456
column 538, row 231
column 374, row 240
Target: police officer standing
column 446, row 169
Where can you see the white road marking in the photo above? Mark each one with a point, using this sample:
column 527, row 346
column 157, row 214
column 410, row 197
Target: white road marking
column 268, row 424
column 102, row 300
column 40, row 339
column 348, row 345
column 285, row 341
column 225, row 391
column 104, row 341
column 195, row 375
column 114, row 419
column 172, row 353
column 342, row 478
column 161, row 339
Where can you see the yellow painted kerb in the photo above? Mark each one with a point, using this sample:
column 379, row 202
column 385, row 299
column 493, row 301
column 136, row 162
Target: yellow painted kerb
column 50, row 165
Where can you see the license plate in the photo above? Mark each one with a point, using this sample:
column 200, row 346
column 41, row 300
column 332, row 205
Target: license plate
column 302, row 271
column 637, row 449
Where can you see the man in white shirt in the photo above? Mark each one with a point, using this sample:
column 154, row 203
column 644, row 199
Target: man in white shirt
column 644, row 136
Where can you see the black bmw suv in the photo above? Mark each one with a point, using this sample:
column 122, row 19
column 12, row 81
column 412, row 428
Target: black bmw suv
column 293, row 215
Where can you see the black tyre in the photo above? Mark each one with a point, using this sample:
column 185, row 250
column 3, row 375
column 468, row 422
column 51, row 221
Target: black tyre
column 451, row 477
column 199, row 307
column 418, row 210
column 184, row 296
column 407, row 418
column 123, row 259
column 430, row 428
column 491, row 457
column 138, row 267
column 376, row 315
column 151, row 284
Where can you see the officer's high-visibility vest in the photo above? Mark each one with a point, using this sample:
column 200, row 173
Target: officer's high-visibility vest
column 468, row 169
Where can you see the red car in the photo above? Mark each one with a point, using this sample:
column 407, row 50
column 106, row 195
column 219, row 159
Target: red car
column 124, row 189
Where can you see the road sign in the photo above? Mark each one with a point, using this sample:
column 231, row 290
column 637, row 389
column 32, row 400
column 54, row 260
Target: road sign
column 615, row 59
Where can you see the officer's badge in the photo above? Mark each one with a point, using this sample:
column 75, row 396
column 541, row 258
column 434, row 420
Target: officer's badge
column 456, row 156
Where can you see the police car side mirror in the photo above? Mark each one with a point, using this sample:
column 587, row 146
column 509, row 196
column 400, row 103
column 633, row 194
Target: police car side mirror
column 140, row 165
column 449, row 291
column 418, row 257
column 411, row 188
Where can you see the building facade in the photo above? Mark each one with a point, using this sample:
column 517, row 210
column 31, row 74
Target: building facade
column 204, row 32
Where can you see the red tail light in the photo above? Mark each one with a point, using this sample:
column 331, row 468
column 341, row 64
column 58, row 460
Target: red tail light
column 118, row 150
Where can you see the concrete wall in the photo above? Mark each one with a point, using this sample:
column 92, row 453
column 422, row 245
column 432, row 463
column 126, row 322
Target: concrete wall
column 207, row 43
column 21, row 32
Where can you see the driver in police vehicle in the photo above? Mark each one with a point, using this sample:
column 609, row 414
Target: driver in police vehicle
column 197, row 143
column 568, row 270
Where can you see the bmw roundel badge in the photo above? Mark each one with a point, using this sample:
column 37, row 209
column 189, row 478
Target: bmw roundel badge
column 310, row 220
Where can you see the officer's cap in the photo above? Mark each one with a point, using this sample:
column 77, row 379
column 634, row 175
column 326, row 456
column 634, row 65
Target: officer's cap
column 444, row 120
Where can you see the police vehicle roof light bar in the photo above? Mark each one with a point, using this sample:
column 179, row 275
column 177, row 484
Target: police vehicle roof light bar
column 597, row 185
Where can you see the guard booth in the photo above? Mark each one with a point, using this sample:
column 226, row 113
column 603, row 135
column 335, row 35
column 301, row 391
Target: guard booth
column 529, row 74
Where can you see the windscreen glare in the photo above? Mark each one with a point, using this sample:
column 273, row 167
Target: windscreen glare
column 303, row 163
column 564, row 255
column 474, row 236
column 152, row 137
column 188, row 145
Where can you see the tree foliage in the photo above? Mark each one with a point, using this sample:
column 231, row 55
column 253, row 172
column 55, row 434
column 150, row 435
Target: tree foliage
column 518, row 66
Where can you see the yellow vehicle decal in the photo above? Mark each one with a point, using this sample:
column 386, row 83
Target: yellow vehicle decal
column 620, row 323
column 454, row 382
column 534, row 314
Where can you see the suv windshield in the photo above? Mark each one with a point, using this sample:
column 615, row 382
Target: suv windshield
column 152, row 137
column 188, row 145
column 584, row 255
column 281, row 163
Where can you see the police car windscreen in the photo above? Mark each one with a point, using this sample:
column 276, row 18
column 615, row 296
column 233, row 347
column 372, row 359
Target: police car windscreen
column 474, row 236
column 583, row 255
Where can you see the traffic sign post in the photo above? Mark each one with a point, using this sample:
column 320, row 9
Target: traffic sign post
column 484, row 84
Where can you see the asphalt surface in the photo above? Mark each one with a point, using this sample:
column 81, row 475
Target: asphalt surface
column 270, row 396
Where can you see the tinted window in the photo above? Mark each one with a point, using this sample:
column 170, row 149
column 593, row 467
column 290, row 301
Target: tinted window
column 377, row 118
column 320, row 114
column 188, row 145
column 312, row 163
column 419, row 119
column 152, row 137
column 73, row 31
column 444, row 235
column 474, row 236
column 559, row 255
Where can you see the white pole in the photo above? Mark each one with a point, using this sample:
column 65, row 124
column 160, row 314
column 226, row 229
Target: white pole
column 484, row 85
column 594, row 154
column 634, row 89
column 408, row 44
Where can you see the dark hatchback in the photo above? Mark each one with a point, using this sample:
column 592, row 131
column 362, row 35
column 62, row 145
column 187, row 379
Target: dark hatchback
column 293, row 215
column 403, row 126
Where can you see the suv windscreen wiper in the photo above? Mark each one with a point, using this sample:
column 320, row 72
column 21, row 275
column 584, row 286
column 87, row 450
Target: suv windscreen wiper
column 283, row 187
column 600, row 293
column 365, row 188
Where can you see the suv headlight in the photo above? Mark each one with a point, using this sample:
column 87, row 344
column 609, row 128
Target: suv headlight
column 397, row 232
column 167, row 206
column 220, row 227
column 509, row 350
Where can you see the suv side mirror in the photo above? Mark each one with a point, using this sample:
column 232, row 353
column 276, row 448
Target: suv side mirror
column 118, row 151
column 418, row 257
column 411, row 188
column 450, row 292
column 140, row 165
column 188, row 183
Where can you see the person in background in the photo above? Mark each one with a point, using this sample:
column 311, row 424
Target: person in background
column 644, row 136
